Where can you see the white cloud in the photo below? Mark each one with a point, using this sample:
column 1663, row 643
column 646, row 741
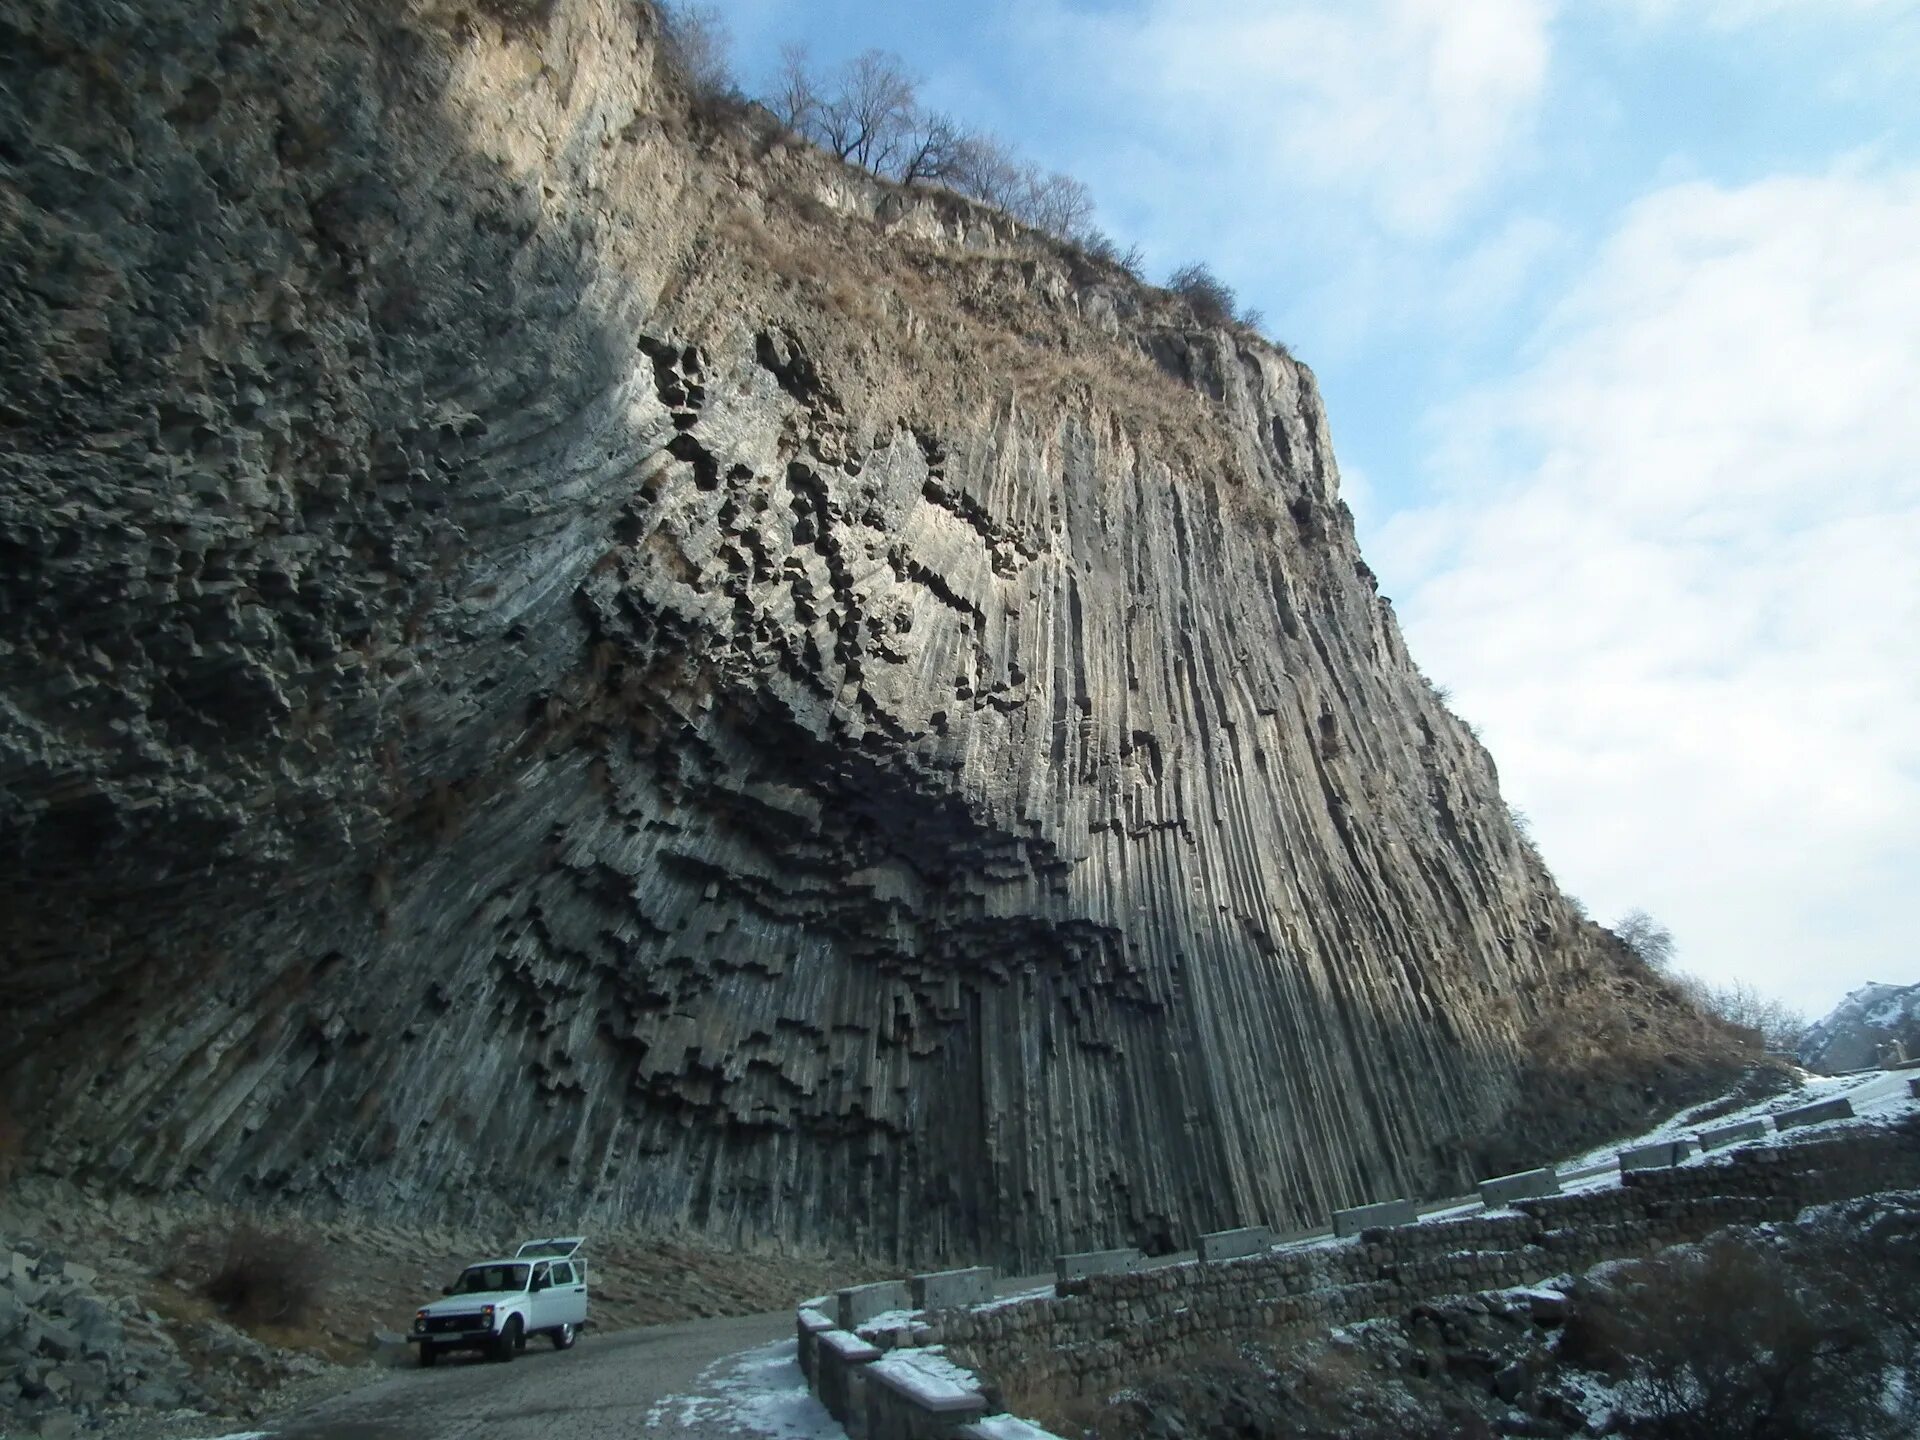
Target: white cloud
column 1497, row 270
column 1728, row 14
column 1409, row 107
column 1677, row 577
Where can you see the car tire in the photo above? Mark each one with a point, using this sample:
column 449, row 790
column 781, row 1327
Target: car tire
column 509, row 1341
column 562, row 1337
column 428, row 1354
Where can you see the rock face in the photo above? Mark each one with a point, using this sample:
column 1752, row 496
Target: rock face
column 558, row 654
column 1859, row 1029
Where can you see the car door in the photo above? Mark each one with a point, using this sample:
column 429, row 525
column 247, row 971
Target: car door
column 570, row 1294
column 542, row 1302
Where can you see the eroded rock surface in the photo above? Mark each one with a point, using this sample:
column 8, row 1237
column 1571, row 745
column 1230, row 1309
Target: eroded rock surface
column 556, row 654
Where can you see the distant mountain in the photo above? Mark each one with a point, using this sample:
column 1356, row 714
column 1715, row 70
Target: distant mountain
column 1850, row 1037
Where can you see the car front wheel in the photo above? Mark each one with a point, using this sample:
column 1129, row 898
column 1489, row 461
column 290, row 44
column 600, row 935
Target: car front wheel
column 508, row 1341
column 562, row 1337
column 428, row 1354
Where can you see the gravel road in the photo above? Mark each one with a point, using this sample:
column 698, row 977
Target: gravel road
column 608, row 1387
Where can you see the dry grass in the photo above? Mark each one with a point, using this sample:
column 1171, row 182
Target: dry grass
column 259, row 1276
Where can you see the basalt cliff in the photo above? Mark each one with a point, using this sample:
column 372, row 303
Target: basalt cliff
column 562, row 651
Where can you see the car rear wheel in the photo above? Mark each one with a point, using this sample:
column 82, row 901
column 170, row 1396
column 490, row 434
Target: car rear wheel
column 428, row 1354
column 509, row 1341
column 562, row 1337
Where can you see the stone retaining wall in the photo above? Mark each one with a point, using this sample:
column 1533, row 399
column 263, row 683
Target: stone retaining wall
column 1099, row 1331
column 1104, row 1329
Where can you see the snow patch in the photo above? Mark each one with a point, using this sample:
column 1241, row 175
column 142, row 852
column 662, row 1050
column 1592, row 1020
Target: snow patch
column 927, row 1375
column 1006, row 1427
column 758, row 1393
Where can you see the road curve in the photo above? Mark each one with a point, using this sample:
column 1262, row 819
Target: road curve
column 623, row 1386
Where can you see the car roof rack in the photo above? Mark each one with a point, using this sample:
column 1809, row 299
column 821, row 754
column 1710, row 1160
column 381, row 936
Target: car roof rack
column 557, row 1247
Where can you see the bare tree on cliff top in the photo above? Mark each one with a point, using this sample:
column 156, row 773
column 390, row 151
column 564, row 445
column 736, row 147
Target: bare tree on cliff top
column 699, row 42
column 1646, row 937
column 869, row 111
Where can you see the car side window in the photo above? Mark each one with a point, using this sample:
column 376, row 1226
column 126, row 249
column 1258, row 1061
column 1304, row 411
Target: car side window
column 562, row 1274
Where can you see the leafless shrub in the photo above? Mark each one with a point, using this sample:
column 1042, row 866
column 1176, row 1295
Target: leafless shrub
column 1733, row 1338
column 1646, row 937
column 1211, row 297
column 1100, row 246
column 699, row 44
column 262, row 1276
column 1777, row 1025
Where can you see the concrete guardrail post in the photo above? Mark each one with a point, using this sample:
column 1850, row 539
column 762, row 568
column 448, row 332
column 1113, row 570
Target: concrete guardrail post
column 1368, row 1217
column 839, row 1359
column 1837, row 1109
column 1732, row 1134
column 808, row 1325
column 858, row 1304
column 908, row 1398
column 1522, row 1185
column 943, row 1289
column 1661, row 1156
column 1232, row 1244
column 1096, row 1262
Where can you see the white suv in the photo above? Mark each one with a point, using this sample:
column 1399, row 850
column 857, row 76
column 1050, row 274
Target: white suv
column 496, row 1304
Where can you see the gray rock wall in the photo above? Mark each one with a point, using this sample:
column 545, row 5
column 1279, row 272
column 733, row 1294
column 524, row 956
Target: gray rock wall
column 554, row 657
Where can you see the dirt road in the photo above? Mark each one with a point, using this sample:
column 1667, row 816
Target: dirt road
column 649, row 1383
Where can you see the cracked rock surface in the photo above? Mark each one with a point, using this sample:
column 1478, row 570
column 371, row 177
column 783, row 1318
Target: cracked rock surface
column 552, row 654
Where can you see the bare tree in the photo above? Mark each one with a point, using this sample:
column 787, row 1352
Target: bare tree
column 929, row 150
column 1646, row 937
column 1056, row 203
column 870, row 108
column 795, row 100
column 699, row 43
column 986, row 170
column 1780, row 1026
column 868, row 113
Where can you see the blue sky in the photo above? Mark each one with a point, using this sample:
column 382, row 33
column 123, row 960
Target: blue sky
column 1616, row 308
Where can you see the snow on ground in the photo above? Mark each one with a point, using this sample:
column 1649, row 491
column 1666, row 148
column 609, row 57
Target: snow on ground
column 1018, row 1297
column 1005, row 1427
column 759, row 1393
column 927, row 1374
column 1876, row 1095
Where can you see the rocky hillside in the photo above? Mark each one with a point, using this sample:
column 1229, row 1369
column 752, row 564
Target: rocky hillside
column 561, row 652
column 1851, row 1037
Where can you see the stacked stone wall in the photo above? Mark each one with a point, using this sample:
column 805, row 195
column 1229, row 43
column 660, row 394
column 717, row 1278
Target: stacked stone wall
column 1102, row 1330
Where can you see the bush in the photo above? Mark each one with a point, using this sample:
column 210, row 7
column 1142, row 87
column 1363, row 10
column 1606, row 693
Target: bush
column 1734, row 1338
column 1211, row 297
column 266, row 1277
column 1646, row 937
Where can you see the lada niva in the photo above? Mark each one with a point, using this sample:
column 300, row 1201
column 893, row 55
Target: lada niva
column 496, row 1304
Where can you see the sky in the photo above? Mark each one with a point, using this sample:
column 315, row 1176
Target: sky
column 1615, row 306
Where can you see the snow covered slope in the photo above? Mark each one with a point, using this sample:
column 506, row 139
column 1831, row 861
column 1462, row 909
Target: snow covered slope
column 1850, row 1037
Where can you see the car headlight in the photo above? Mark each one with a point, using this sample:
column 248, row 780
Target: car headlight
column 419, row 1319
column 486, row 1314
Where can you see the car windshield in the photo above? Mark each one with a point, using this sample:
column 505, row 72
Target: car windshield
column 479, row 1278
